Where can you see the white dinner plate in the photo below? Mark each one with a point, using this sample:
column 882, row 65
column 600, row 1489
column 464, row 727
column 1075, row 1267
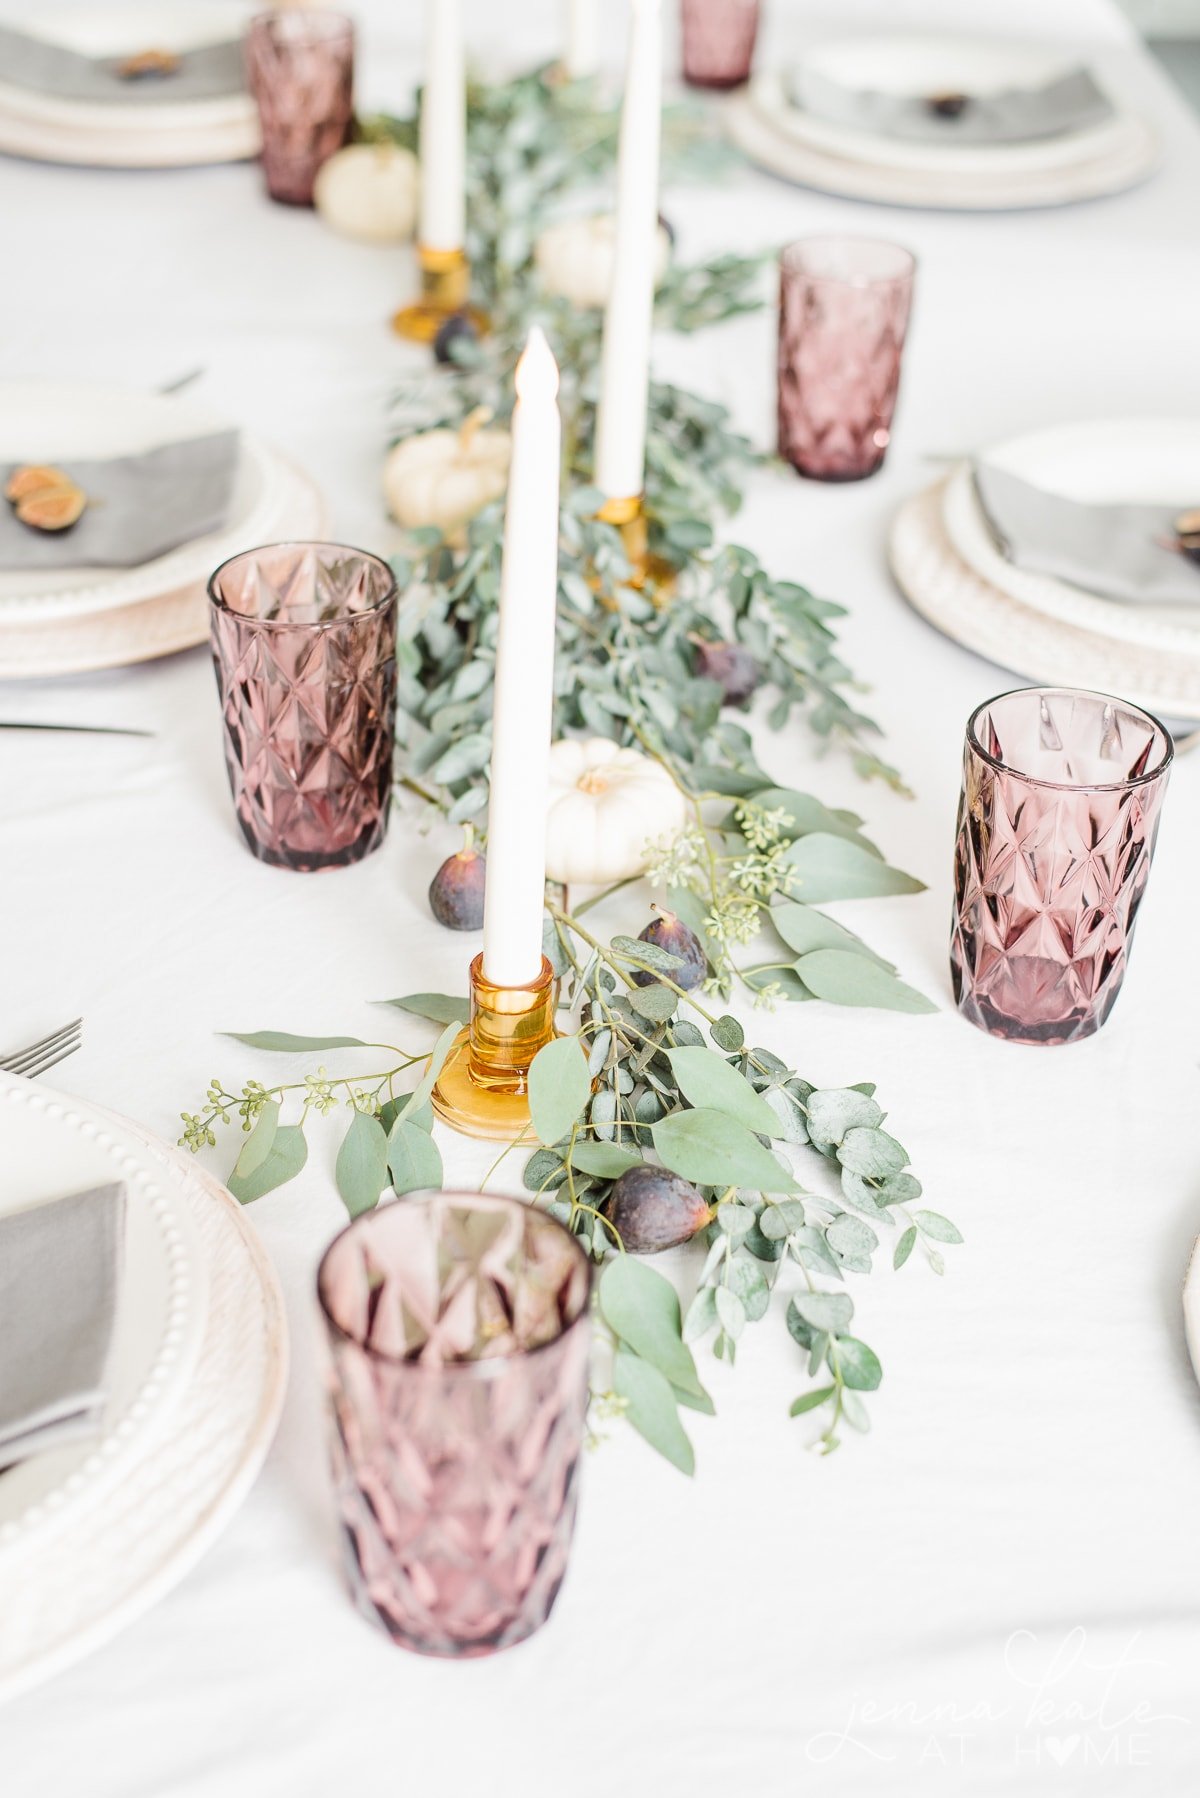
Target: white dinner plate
column 964, row 606
column 1153, row 461
column 148, row 134
column 49, row 1150
column 105, row 1561
column 769, row 93
column 117, row 635
column 43, row 421
column 762, row 136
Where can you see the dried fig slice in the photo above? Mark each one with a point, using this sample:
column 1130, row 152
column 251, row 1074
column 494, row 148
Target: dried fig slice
column 53, row 508
column 148, row 64
column 34, row 477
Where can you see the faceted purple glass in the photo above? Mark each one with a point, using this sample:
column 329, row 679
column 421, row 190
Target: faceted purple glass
column 300, row 66
column 843, row 314
column 718, row 41
column 1056, row 827
column 304, row 647
column 459, row 1334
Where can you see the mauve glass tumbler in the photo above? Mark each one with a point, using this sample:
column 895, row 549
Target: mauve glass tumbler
column 1056, row 826
column 300, row 67
column 459, row 1334
column 718, row 41
column 844, row 304
column 304, row 647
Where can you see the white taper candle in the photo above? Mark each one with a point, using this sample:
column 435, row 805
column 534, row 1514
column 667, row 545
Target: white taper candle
column 443, row 130
column 582, row 52
column 625, row 357
column 524, row 701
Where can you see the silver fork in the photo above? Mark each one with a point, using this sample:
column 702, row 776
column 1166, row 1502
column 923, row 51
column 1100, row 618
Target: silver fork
column 38, row 1058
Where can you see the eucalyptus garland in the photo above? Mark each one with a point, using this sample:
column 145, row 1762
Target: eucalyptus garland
column 654, row 1122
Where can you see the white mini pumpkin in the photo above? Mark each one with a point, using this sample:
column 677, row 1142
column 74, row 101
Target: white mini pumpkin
column 444, row 477
column 574, row 259
column 369, row 192
column 607, row 805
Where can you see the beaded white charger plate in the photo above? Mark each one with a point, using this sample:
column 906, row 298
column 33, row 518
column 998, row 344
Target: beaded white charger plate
column 955, row 598
column 161, row 133
column 77, row 1571
column 762, row 123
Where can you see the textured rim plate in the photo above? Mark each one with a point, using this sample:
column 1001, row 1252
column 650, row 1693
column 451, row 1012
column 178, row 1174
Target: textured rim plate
column 769, row 95
column 963, row 606
column 119, row 30
column 159, row 626
column 48, row 422
column 767, row 146
column 239, row 141
column 49, row 1148
column 74, row 1591
column 1141, row 460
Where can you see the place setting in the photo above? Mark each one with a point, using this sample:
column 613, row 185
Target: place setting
column 587, row 1096
column 949, row 122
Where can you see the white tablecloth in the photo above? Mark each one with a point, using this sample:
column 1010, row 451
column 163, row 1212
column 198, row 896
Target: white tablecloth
column 994, row 1592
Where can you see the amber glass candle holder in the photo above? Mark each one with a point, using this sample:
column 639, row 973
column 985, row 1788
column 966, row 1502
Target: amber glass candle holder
column 629, row 517
column 483, row 1088
column 445, row 291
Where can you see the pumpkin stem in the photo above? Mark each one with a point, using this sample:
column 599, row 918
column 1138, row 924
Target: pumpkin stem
column 593, row 780
column 473, row 422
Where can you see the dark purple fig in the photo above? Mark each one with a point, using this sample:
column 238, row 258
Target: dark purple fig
column 1187, row 538
column 947, row 106
column 651, row 1210
column 664, row 224
column 458, row 328
column 456, row 891
column 733, row 668
column 672, row 934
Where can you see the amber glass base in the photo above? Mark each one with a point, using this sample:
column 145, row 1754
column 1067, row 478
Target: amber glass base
column 483, row 1087
column 445, row 286
column 648, row 570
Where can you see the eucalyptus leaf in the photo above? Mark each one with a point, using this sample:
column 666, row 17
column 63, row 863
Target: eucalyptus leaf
column 280, row 1042
column 834, row 1110
column 439, row 1008
column 413, row 1159
column 940, row 1228
column 830, row 867
column 872, row 1153
column 849, row 979
column 810, row 1401
column 857, row 1364
column 288, row 1154
column 904, row 1247
column 606, row 1160
column 714, row 1150
column 652, row 1409
column 260, row 1141
column 361, row 1171
column 829, row 1311
column 559, row 1088
column 806, row 931
column 701, row 1315
column 706, row 1080
column 728, row 1034
column 642, row 1309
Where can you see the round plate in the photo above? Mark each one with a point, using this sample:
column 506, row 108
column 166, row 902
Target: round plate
column 41, row 142
column 162, row 624
column 769, row 94
column 1153, row 461
column 70, row 1591
column 764, row 141
column 120, row 30
column 954, row 598
column 42, row 421
column 50, row 1148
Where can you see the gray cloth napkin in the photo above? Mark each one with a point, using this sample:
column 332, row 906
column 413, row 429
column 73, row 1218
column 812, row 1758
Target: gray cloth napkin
column 59, row 1275
column 1005, row 116
column 138, row 507
column 1120, row 552
column 207, row 72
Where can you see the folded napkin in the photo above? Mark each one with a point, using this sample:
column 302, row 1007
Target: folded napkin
column 138, row 506
column 207, row 72
column 1121, row 552
column 1005, row 116
column 59, row 1274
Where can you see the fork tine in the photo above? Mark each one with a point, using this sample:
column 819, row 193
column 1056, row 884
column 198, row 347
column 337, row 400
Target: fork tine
column 23, row 1059
column 52, row 1057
